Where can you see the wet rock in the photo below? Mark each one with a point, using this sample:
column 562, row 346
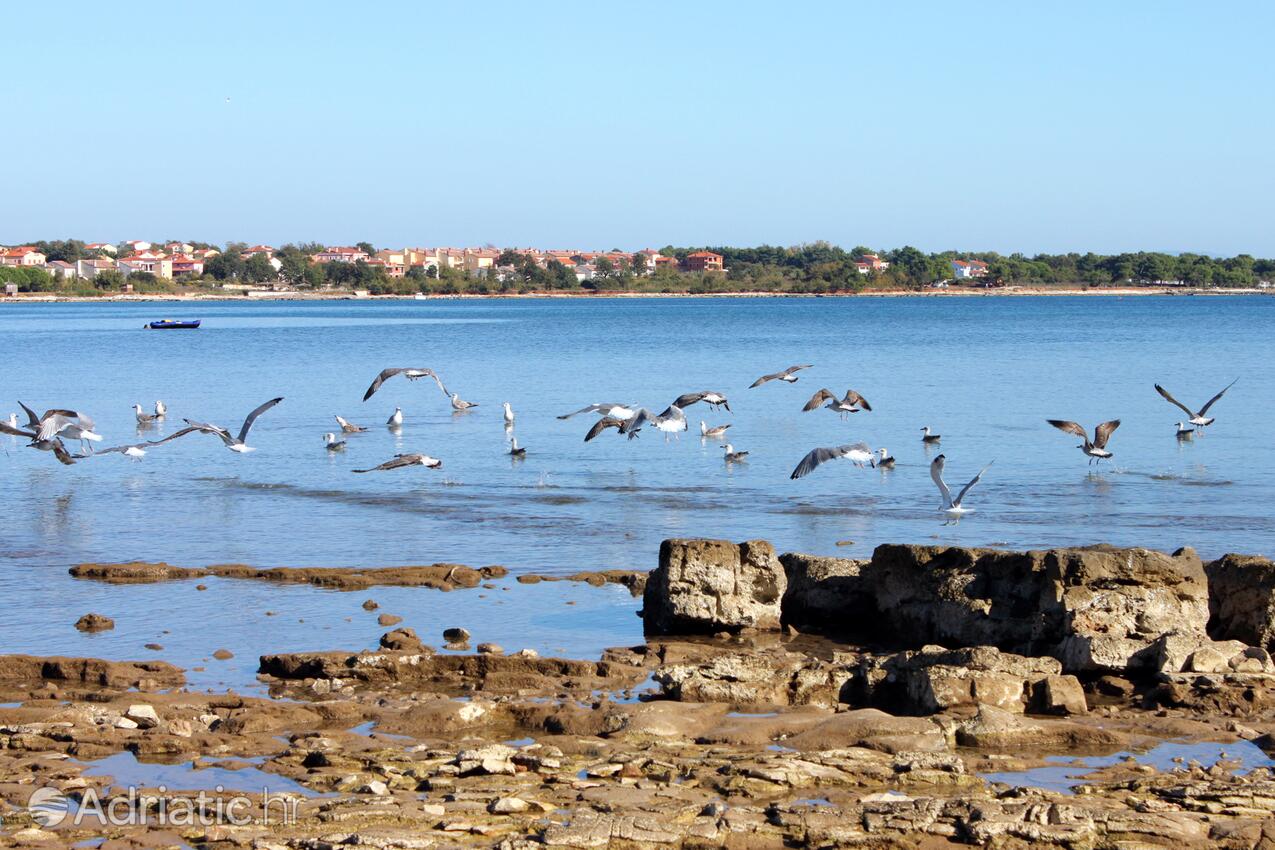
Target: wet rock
column 742, row 676
column 94, row 623
column 994, row 729
column 223, row 654
column 388, row 620
column 1242, row 599
column 711, row 586
column 154, row 647
column 32, row 670
column 825, row 595
column 370, row 605
column 934, row 679
column 456, row 635
column 437, row 576
column 490, row 649
column 403, row 639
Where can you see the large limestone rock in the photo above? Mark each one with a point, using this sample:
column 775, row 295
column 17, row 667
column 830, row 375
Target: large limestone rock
column 707, row 586
column 826, row 595
column 1242, row 599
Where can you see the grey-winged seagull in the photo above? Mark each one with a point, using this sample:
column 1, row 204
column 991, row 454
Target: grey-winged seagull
column 952, row 505
column 402, row 461
column 1095, row 449
column 857, row 453
column 234, row 443
column 347, row 427
column 412, row 373
column 786, row 376
column 614, row 411
column 1197, row 417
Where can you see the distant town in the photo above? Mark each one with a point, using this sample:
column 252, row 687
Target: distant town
column 99, row 268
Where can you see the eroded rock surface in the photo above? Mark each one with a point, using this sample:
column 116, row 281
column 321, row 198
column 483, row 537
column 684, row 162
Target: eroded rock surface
column 707, row 586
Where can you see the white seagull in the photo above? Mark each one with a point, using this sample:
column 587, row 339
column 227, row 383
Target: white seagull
column 1095, row 450
column 712, row 433
column 671, row 421
column 733, row 456
column 347, row 427
column 402, row 461
column 857, row 453
column 137, row 451
column 622, row 412
column 332, row 443
column 1197, row 417
column 161, row 409
column 409, row 372
column 234, row 443
column 509, row 415
column 927, row 437
column 950, row 505
column 708, row 397
column 885, row 460
column 396, row 419
column 786, row 376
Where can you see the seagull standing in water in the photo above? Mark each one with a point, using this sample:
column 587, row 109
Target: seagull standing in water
column 144, row 419
column 332, row 443
column 950, row 505
column 402, row 461
column 234, row 443
column 161, row 409
column 786, row 376
column 460, row 405
column 1197, row 417
column 857, row 453
column 509, row 415
column 347, row 427
column 1096, row 449
column 396, row 419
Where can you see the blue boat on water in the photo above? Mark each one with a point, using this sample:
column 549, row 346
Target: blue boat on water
column 173, row 324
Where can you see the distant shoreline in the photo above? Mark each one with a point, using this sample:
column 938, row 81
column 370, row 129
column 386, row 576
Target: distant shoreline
column 952, row 292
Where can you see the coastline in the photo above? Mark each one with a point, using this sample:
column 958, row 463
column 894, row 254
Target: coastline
column 954, row 292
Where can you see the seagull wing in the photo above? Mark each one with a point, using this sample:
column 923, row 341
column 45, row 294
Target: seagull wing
column 60, row 452
column 792, row 369
column 122, row 449
column 764, row 378
column 384, row 376
column 438, row 381
column 252, row 417
column 818, row 399
column 936, row 473
column 393, row 463
column 1103, row 433
column 210, row 429
column 53, row 422
column 33, row 421
column 853, row 397
column 640, row 418
column 1171, row 400
column 6, row 428
column 969, row 486
column 684, row 401
column 593, row 408
column 1070, row 427
column 815, row 457
column 183, row 432
column 601, row 425
column 1209, row 403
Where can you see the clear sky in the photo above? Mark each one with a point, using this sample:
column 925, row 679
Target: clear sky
column 1010, row 126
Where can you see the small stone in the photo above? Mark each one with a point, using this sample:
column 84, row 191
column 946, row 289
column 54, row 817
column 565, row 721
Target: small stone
column 201, row 587
column 181, row 728
column 508, row 806
column 375, row 787
column 527, row 653
column 434, row 810
column 370, row 605
column 155, row 647
column 403, row 640
column 388, row 620
column 125, row 723
column 94, row 623
column 490, row 649
column 223, row 654
column 143, row 715
column 456, row 635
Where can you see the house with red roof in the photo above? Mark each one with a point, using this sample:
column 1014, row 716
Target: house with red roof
column 871, row 263
column 100, row 247
column 184, row 265
column 702, row 261
column 968, row 268
column 23, row 255
column 340, row 255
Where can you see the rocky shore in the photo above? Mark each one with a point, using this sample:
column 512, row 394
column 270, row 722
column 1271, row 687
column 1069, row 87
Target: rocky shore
column 779, row 701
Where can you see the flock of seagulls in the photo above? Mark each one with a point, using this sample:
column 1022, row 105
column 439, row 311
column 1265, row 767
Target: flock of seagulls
column 51, row 431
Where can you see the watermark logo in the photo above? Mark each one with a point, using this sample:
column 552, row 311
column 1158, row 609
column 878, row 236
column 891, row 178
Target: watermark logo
column 132, row 806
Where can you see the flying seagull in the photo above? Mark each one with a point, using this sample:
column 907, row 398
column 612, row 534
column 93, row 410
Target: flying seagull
column 856, row 453
column 733, row 456
column 1095, row 450
column 235, row 444
column 786, row 376
column 601, row 425
column 927, row 437
column 671, row 421
column 396, row 419
column 885, row 459
column 712, row 433
column 401, row 461
column 950, row 505
column 70, row 424
column 348, row 427
column 852, row 402
column 460, row 405
column 409, row 372
column 1197, row 417
column 53, row 444
column 614, row 411
column 137, row 451
column 709, row 398
column 332, row 443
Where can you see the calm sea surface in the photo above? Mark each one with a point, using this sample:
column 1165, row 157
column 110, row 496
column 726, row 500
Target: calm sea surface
column 983, row 372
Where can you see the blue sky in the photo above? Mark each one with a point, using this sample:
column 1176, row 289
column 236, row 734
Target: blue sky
column 1011, row 126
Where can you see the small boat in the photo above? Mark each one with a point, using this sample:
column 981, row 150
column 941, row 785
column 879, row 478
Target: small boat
column 173, row 324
